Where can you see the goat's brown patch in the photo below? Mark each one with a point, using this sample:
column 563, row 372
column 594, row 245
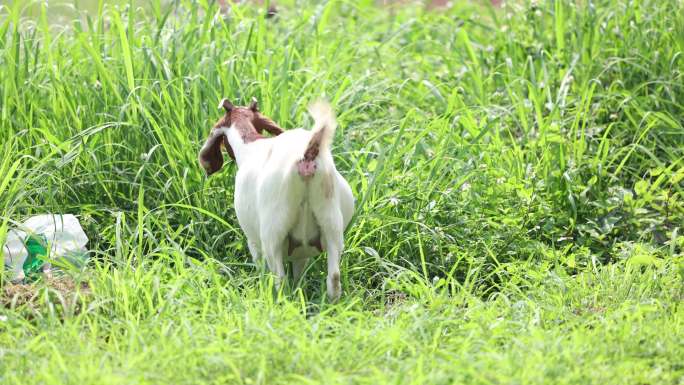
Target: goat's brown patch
column 335, row 279
column 247, row 131
column 306, row 167
column 210, row 156
column 249, row 122
column 314, row 145
column 262, row 123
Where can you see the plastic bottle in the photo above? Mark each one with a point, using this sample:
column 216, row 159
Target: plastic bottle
column 42, row 240
column 36, row 245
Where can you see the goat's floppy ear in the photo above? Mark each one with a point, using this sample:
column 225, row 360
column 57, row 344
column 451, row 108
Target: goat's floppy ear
column 261, row 122
column 226, row 104
column 210, row 156
column 254, row 106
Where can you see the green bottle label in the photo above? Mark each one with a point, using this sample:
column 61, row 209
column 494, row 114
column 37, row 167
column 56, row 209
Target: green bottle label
column 36, row 245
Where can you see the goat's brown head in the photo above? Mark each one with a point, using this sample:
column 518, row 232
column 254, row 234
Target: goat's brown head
column 247, row 120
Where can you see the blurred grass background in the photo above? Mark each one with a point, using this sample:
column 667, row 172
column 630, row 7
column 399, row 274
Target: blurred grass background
column 518, row 174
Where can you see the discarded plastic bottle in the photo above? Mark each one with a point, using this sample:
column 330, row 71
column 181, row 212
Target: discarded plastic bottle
column 36, row 245
column 41, row 240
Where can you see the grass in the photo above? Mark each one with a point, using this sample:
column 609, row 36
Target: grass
column 518, row 174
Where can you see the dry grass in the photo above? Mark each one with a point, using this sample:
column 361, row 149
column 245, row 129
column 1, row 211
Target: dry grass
column 62, row 290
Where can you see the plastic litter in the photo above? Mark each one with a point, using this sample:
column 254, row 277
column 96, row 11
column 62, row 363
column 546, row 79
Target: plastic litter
column 43, row 241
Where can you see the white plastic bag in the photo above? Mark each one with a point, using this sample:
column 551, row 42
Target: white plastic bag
column 15, row 253
column 65, row 239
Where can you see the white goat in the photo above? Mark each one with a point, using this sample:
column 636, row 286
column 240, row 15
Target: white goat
column 290, row 200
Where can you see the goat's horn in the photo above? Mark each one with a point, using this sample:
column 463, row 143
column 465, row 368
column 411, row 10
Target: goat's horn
column 225, row 103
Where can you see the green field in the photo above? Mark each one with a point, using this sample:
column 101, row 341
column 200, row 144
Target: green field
column 519, row 176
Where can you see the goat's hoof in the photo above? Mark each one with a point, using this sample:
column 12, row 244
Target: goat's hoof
column 335, row 296
column 334, row 287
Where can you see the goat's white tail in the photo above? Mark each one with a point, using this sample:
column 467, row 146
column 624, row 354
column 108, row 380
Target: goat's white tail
column 323, row 133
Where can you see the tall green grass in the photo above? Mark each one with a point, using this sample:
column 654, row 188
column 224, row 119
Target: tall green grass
column 518, row 175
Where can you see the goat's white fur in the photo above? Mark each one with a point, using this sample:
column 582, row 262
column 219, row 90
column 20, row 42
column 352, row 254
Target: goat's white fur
column 274, row 202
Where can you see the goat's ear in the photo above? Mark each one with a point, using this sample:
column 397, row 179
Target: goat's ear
column 210, row 157
column 225, row 104
column 254, row 106
column 261, row 122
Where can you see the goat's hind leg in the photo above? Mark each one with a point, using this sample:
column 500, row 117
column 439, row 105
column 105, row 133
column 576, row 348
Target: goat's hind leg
column 330, row 220
column 274, row 253
column 254, row 251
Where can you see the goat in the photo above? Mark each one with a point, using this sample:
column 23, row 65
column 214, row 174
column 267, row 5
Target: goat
column 290, row 200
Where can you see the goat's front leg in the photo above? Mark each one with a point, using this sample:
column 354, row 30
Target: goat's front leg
column 298, row 266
